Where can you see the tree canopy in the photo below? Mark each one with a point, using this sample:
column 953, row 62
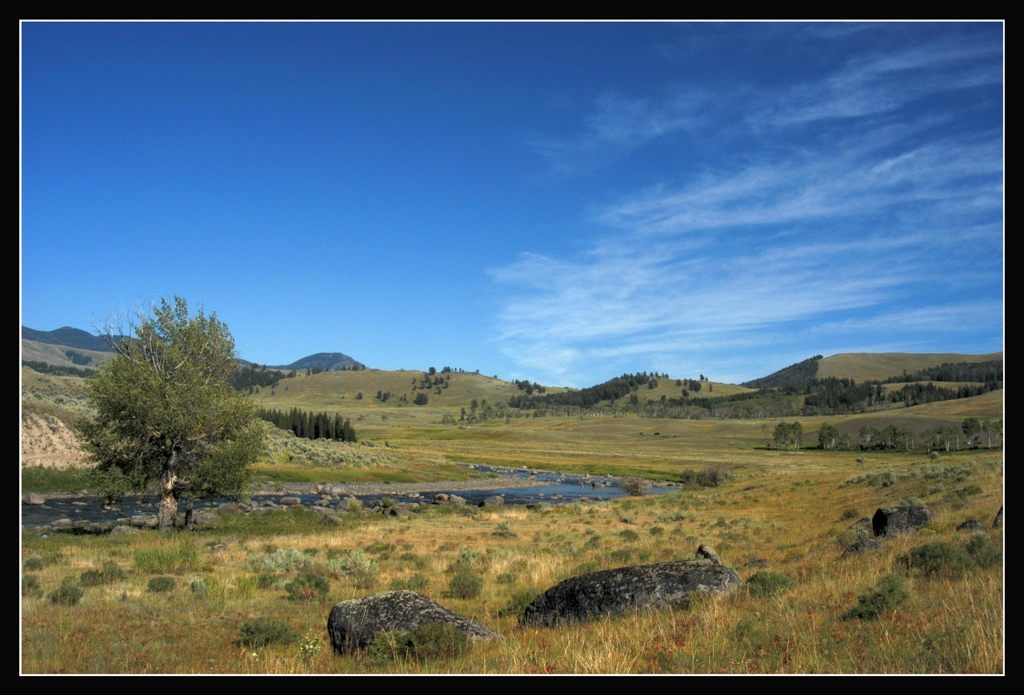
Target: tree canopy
column 166, row 412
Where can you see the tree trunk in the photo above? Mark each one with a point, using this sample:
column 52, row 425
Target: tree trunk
column 167, row 514
column 189, row 520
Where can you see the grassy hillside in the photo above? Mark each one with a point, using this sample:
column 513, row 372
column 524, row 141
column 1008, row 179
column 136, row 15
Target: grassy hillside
column 863, row 366
column 34, row 351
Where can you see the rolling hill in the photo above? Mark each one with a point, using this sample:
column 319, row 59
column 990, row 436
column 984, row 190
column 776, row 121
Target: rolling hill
column 863, row 366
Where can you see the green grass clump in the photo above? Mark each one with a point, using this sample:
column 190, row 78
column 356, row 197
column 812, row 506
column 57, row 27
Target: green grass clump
column 158, row 585
column 67, row 594
column 263, row 631
column 983, row 552
column 937, row 558
column 413, row 583
column 849, row 513
column 767, row 583
column 307, row 587
column 199, row 588
column 110, row 573
column 885, row 596
column 629, row 535
column 430, row 642
column 30, row 585
column 507, row 578
column 34, row 563
column 465, row 585
column 171, row 560
column 517, row 603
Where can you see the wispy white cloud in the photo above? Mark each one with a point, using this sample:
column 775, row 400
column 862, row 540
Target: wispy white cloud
column 827, row 239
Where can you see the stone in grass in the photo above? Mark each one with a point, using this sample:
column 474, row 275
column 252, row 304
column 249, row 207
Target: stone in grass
column 504, row 534
column 998, row 521
column 969, row 525
column 894, row 521
column 862, row 546
column 613, row 592
column 495, row 501
column 356, row 623
column 123, row 531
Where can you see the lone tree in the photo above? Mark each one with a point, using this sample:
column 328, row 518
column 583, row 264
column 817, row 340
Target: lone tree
column 167, row 414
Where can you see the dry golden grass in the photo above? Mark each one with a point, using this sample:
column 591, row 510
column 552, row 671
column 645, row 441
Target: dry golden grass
column 863, row 366
column 786, row 510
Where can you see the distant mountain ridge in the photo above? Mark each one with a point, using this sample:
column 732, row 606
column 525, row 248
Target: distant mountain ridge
column 68, row 337
column 327, row 361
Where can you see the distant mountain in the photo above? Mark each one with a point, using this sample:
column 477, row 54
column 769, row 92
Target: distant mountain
column 799, row 373
column 328, row 361
column 68, row 337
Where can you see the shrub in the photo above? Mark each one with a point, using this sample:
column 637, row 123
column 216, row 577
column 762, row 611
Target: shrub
column 507, row 578
column 633, row 486
column 628, row 519
column 465, row 585
column 34, row 563
column 623, row 555
column 198, row 588
column 266, row 581
column 983, row 552
column 354, row 563
column 657, row 530
column 91, row 578
column 387, row 502
column 158, row 585
column 849, row 513
column 263, row 631
column 886, row 595
column 629, row 535
column 379, row 548
column 112, row 572
column 938, row 557
column 67, row 594
column 30, row 585
column 517, row 603
column 413, row 583
column 307, row 587
column 767, row 583
column 428, row 642
column 275, row 561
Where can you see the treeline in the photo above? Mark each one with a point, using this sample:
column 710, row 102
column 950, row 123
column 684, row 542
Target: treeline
column 795, row 374
column 57, row 370
column 610, row 390
column 248, row 377
column 311, row 425
column 989, row 371
column 972, row 433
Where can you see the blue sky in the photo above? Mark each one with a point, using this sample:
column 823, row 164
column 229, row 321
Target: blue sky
column 559, row 202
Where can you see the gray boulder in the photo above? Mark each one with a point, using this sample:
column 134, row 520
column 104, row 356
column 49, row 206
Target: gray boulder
column 613, row 592
column 145, row 520
column 504, row 534
column 969, row 525
column 895, row 521
column 862, row 546
column 205, row 518
column 456, row 500
column 356, row 623
column 998, row 521
column 123, row 531
column 759, row 563
column 495, row 501
column 291, row 500
column 33, row 498
column 708, row 553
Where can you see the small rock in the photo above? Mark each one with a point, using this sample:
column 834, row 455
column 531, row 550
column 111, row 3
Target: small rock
column 504, row 534
column 356, row 624
column 290, row 501
column 33, row 498
column 495, row 501
column 969, row 525
column 228, row 508
column 219, row 548
column 61, row 523
column 998, row 521
column 708, row 553
column 759, row 563
column 868, row 544
column 123, row 531
column 145, row 520
column 205, row 518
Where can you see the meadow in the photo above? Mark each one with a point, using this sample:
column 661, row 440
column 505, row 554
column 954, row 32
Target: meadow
column 251, row 594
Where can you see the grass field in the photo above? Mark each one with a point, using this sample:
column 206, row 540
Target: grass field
column 793, row 510
column 862, row 366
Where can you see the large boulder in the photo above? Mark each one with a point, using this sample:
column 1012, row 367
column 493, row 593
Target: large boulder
column 33, row 498
column 495, row 501
column 998, row 521
column 356, row 623
column 895, row 521
column 612, row 592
